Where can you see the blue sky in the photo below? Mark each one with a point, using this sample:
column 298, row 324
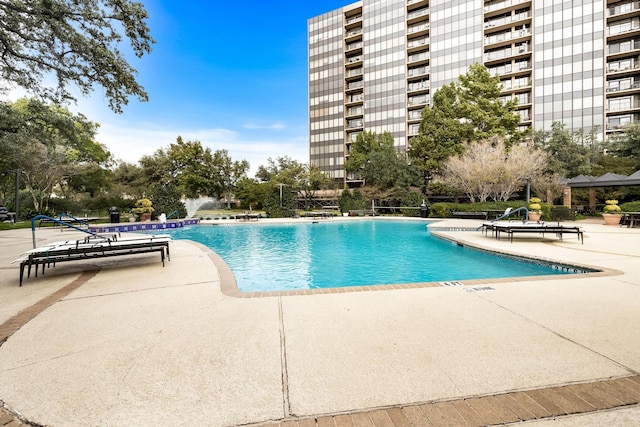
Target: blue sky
column 232, row 75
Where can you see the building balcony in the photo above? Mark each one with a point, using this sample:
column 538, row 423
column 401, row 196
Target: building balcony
column 356, row 98
column 417, row 57
column 617, row 87
column 414, row 115
column 358, row 84
column 625, row 8
column 623, row 66
column 354, row 72
column 503, row 5
column 353, row 19
column 354, row 124
column 498, row 22
column 354, row 59
column 421, row 85
column 418, row 71
column 419, row 100
column 417, row 13
column 418, row 42
column 506, row 36
column 623, row 29
column 423, row 26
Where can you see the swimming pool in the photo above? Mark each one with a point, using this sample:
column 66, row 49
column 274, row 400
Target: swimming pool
column 330, row 254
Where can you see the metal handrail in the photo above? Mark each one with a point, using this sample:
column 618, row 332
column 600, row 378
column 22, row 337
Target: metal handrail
column 57, row 221
column 511, row 212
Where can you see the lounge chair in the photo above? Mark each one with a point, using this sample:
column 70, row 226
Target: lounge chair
column 91, row 248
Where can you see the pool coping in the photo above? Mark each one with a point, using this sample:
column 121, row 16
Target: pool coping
column 229, row 287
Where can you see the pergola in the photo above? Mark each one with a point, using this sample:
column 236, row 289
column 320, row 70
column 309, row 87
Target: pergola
column 591, row 182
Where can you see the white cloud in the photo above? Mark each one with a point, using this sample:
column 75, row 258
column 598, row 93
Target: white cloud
column 130, row 144
column 272, row 126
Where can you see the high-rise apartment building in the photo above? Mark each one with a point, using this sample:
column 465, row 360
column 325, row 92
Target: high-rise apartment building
column 374, row 64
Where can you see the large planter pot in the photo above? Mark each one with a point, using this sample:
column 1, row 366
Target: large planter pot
column 145, row 217
column 534, row 216
column 611, row 219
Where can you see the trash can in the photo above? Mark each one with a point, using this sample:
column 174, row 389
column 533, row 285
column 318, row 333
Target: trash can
column 114, row 214
column 424, row 211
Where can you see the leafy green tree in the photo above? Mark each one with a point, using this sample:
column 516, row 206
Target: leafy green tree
column 375, row 160
column 352, row 200
column 166, row 199
column 129, row 180
column 567, row 157
column 227, row 173
column 77, row 43
column 49, row 145
column 461, row 112
column 279, row 204
column 626, row 144
column 300, row 178
column 312, row 181
column 251, row 193
column 193, row 167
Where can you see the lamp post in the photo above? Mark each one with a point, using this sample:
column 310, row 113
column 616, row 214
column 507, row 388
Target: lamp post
column 528, row 189
column 281, row 185
column 17, row 195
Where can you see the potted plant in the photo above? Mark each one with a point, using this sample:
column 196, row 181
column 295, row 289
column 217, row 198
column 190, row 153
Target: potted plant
column 535, row 211
column 143, row 209
column 611, row 212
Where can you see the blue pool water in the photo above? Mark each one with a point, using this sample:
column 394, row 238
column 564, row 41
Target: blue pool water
column 330, row 254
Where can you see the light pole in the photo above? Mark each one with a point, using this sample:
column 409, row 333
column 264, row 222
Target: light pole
column 528, row 189
column 17, row 195
column 281, row 185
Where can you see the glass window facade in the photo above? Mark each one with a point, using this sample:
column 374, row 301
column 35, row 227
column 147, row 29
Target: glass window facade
column 374, row 65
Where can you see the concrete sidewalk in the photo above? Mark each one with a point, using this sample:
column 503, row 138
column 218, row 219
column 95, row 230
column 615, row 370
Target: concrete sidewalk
column 124, row 341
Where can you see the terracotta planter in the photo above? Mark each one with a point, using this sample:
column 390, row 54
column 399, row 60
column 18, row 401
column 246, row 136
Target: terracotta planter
column 611, row 219
column 145, row 217
column 534, row 216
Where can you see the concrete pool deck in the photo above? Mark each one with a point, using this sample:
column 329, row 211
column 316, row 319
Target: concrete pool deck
column 124, row 341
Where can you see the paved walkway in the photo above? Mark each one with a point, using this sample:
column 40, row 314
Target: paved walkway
column 127, row 342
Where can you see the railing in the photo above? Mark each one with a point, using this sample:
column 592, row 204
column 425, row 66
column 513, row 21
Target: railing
column 416, row 28
column 56, row 221
column 417, row 71
column 627, row 86
column 418, row 57
column 502, row 5
column 418, row 42
column 418, row 12
column 623, row 8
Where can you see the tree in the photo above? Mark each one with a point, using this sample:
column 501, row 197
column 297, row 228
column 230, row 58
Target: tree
column 77, row 43
column 374, row 159
column 128, row 180
column 567, row 157
column 626, row 144
column 49, row 145
column 228, row 173
column 193, row 166
column 487, row 170
column 300, row 178
column 461, row 112
column 312, row 181
column 166, row 199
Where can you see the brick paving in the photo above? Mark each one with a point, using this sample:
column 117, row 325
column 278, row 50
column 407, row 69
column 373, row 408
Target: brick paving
column 516, row 406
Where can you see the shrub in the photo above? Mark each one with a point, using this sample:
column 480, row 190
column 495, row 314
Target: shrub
column 611, row 207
